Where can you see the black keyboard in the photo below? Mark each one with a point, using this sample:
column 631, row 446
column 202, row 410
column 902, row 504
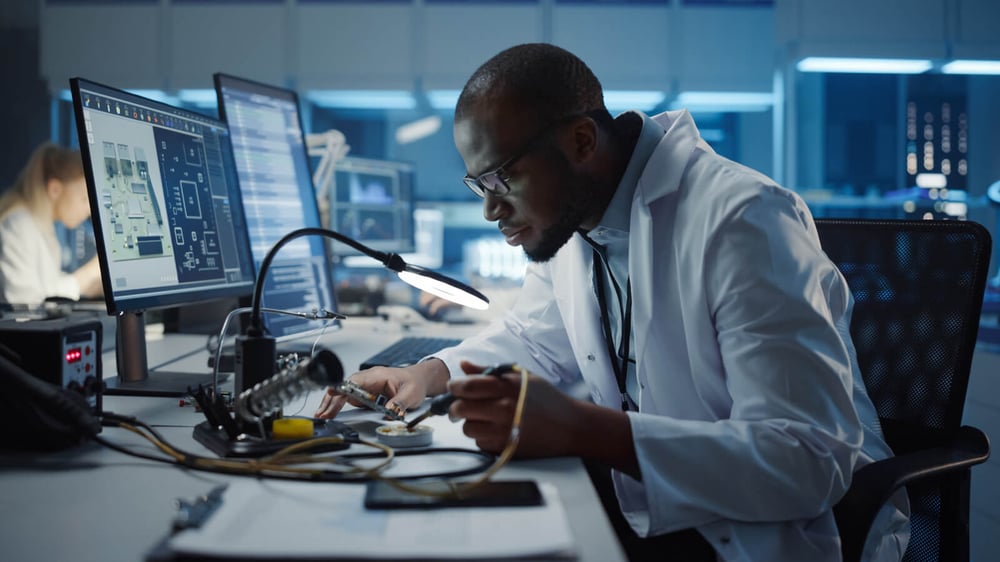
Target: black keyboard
column 408, row 351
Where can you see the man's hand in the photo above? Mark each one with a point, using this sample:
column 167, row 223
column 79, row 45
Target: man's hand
column 405, row 388
column 487, row 404
column 552, row 424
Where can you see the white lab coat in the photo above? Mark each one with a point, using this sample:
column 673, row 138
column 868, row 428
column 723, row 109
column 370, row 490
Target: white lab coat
column 748, row 426
column 30, row 268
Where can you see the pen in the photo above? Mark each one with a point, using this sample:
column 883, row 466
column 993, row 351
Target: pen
column 441, row 403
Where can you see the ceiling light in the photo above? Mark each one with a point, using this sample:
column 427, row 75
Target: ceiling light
column 965, row 66
column 864, row 65
column 416, row 130
column 443, row 99
column 363, row 99
column 641, row 100
column 724, row 102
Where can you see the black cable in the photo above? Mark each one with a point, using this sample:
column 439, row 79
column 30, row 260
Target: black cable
column 486, row 459
column 114, row 420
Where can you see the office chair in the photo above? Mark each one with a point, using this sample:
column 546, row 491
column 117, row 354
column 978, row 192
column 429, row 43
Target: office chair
column 918, row 290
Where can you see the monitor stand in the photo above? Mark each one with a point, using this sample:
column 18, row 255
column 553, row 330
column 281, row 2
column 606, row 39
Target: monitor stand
column 134, row 377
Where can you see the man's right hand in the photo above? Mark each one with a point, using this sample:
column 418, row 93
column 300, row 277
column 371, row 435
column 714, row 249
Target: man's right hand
column 406, row 387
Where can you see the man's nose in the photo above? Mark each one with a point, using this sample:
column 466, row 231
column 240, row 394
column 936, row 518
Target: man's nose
column 492, row 207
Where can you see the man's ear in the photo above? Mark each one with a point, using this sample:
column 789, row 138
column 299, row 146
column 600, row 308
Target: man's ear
column 582, row 140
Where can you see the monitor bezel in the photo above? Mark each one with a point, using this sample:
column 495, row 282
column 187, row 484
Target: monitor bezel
column 117, row 305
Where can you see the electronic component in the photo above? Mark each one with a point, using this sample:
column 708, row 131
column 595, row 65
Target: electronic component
column 64, row 351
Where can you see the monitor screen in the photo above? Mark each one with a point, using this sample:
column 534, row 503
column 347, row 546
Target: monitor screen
column 278, row 197
column 371, row 201
column 165, row 203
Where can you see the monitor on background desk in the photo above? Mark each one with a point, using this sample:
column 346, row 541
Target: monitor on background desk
column 168, row 221
column 278, row 197
column 372, row 201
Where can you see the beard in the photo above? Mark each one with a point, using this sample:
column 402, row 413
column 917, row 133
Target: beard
column 581, row 202
column 555, row 237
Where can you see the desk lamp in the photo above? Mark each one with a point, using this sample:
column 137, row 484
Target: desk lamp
column 255, row 351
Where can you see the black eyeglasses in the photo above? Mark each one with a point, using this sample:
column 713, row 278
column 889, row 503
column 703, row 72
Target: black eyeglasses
column 495, row 181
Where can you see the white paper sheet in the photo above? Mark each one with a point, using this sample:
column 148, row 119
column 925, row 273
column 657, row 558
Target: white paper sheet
column 275, row 519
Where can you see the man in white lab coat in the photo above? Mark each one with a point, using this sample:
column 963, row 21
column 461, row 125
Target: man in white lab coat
column 690, row 295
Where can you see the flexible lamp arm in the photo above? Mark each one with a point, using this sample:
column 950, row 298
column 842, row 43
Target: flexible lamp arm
column 419, row 277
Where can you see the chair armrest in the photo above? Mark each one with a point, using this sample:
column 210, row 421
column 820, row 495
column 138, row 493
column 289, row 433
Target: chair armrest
column 873, row 484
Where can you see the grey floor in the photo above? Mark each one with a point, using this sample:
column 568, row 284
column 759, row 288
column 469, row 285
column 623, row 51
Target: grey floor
column 982, row 410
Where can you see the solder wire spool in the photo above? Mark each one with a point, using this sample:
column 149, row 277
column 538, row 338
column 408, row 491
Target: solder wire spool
column 400, row 436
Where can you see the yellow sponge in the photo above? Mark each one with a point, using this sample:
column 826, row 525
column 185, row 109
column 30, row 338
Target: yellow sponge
column 292, row 428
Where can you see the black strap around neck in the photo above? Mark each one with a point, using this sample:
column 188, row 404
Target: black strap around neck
column 621, row 369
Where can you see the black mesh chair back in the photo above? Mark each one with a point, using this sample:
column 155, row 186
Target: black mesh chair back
column 918, row 289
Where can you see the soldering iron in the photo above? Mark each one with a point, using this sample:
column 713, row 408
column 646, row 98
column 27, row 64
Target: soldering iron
column 441, row 403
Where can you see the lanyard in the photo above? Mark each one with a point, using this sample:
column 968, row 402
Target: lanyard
column 621, row 370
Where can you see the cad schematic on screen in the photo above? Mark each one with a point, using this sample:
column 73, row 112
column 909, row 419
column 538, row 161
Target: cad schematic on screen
column 164, row 208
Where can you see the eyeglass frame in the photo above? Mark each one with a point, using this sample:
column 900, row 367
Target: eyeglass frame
column 476, row 185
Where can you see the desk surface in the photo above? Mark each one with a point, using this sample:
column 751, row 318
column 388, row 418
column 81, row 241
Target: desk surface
column 92, row 503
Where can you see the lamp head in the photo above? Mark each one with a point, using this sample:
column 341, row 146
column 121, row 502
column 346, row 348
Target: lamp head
column 444, row 287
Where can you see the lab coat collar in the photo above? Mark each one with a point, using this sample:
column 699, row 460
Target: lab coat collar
column 616, row 216
column 663, row 171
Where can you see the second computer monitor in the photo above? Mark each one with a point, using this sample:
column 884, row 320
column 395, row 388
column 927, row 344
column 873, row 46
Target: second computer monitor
column 278, row 197
column 371, row 201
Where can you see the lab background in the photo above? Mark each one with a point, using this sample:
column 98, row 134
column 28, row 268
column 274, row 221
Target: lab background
column 921, row 141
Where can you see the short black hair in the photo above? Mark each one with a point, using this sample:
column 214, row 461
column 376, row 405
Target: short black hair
column 548, row 82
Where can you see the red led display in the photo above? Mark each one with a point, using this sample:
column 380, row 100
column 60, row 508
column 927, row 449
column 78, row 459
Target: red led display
column 74, row 355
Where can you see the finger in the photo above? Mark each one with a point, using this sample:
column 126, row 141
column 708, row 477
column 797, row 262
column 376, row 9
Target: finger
column 498, row 412
column 491, row 445
column 481, row 388
column 470, row 368
column 325, row 402
column 392, row 406
column 330, row 408
column 487, row 436
column 409, row 396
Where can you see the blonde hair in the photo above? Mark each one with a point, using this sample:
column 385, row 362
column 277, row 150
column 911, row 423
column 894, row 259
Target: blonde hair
column 49, row 161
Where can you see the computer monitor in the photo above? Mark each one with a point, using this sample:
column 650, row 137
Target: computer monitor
column 371, row 201
column 278, row 197
column 167, row 217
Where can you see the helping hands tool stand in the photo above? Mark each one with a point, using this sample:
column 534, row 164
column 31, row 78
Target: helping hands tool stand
column 250, row 432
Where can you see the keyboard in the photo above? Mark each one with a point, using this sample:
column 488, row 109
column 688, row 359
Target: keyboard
column 408, row 351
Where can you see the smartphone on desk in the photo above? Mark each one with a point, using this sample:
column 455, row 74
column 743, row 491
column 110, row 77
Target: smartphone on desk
column 500, row 493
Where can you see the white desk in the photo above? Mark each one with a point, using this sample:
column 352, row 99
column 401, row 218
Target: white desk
column 92, row 503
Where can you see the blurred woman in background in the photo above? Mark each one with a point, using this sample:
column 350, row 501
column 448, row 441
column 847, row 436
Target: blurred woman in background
column 50, row 188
